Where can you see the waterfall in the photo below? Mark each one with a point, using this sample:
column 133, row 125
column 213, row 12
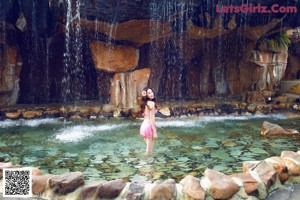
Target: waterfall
column 73, row 80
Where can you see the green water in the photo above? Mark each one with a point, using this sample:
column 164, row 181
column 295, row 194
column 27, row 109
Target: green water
column 111, row 149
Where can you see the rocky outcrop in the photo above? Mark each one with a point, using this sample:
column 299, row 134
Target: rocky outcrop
column 113, row 58
column 269, row 129
column 10, row 67
column 126, row 88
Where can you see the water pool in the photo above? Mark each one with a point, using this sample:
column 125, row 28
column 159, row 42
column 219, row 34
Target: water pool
column 111, row 149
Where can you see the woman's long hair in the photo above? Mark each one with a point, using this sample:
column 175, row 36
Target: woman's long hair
column 145, row 99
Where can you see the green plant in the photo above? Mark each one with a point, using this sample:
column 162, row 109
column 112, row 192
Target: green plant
column 277, row 40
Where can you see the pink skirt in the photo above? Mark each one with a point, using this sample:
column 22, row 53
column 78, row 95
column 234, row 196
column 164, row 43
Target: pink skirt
column 146, row 130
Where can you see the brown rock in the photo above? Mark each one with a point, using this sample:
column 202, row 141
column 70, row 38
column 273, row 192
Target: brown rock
column 75, row 118
column 165, row 111
column 66, row 183
column 108, row 108
column 13, row 115
column 282, row 171
column 32, row 114
column 293, row 169
column 113, row 58
column 163, row 191
column 39, row 183
column 270, row 129
column 52, row 112
column 89, row 191
column 290, row 155
column 222, row 186
column 126, row 88
column 95, row 109
column 192, row 188
column 111, row 189
column 136, row 191
column 266, row 172
column 250, row 184
column 137, row 31
column 248, row 165
column 84, row 111
column 251, row 107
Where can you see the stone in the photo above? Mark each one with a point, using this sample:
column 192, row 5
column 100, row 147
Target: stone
column 293, row 168
column 39, row 183
column 110, row 189
column 251, row 107
column 266, row 172
column 113, row 58
column 64, row 110
column 291, row 155
column 95, row 109
column 270, row 129
column 136, row 191
column 66, row 183
column 75, row 118
column 89, row 191
column 163, row 191
column 250, row 184
column 84, row 110
column 248, row 165
column 219, row 185
column 108, row 108
column 32, row 114
column 137, row 31
column 192, row 188
column 13, row 115
column 126, row 88
column 165, row 111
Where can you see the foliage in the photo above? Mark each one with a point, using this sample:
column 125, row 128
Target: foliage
column 277, row 40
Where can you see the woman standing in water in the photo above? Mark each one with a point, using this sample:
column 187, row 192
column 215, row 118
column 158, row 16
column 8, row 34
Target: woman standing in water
column 148, row 127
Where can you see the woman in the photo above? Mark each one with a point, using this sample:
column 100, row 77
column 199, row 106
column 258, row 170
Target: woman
column 148, row 128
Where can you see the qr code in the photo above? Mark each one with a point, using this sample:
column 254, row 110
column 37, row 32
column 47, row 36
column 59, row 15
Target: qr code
column 17, row 183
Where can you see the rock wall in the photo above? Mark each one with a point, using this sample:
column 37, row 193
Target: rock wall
column 10, row 67
column 72, row 50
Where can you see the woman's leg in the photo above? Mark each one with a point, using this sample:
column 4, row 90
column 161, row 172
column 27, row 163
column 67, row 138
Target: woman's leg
column 149, row 147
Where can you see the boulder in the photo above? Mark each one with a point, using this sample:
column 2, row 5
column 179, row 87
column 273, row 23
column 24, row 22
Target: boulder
column 89, row 191
column 192, row 188
column 266, row 172
column 163, row 190
column 136, row 191
column 113, row 58
column 250, row 184
column 66, row 183
column 32, row 114
column 13, row 115
column 110, row 189
column 126, row 88
column 39, row 183
column 165, row 111
column 291, row 155
column 219, row 185
column 270, row 129
column 292, row 168
column 248, row 165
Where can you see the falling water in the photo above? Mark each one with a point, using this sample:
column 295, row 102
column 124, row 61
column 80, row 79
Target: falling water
column 73, row 80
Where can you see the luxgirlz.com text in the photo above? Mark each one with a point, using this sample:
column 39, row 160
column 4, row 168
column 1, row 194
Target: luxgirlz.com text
column 250, row 8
